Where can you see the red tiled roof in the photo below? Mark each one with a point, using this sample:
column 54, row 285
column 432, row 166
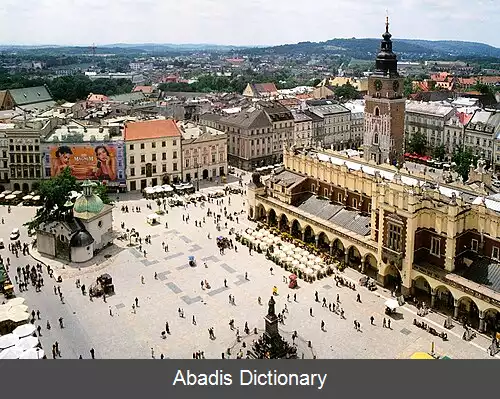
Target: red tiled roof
column 151, row 130
column 144, row 89
column 265, row 87
column 97, row 97
column 464, row 118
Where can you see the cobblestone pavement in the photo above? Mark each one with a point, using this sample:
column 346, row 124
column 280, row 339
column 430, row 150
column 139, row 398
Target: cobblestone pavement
column 129, row 334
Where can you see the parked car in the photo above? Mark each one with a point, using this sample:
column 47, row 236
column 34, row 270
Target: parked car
column 15, row 234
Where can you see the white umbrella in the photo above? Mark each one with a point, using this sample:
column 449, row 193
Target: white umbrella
column 6, row 341
column 289, row 259
column 27, row 343
column 308, row 271
column 11, row 353
column 24, row 330
column 18, row 317
column 276, row 239
column 297, row 256
column 310, row 263
column 392, row 303
column 297, row 250
column 10, row 197
column 15, row 301
column 295, row 263
column 269, row 240
column 311, row 256
column 27, row 197
column 289, row 252
column 305, row 253
column 33, row 354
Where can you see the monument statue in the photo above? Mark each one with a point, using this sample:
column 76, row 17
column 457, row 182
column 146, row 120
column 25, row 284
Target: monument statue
column 271, row 311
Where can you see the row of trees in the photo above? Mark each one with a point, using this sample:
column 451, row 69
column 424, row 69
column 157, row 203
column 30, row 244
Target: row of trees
column 67, row 88
column 463, row 158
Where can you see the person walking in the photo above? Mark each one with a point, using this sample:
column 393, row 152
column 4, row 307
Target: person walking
column 384, row 324
column 110, row 312
column 311, row 311
column 372, row 320
column 92, row 353
column 194, row 320
column 358, row 298
column 322, row 325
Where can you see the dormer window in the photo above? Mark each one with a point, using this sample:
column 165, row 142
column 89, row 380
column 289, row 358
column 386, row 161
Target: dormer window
column 377, row 111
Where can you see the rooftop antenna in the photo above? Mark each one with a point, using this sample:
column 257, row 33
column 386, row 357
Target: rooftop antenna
column 386, row 20
column 93, row 50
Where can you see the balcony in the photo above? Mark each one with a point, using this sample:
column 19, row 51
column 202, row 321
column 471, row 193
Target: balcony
column 393, row 257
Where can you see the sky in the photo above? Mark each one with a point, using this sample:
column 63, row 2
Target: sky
column 242, row 22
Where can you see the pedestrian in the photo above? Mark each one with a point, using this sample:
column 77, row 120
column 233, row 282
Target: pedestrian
column 61, row 322
column 246, row 276
column 152, row 353
column 136, row 302
column 338, row 298
column 167, row 328
column 92, row 353
column 371, row 320
column 384, row 323
column 110, row 311
column 389, row 324
column 322, row 325
column 156, row 276
column 194, row 320
column 311, row 311
column 39, row 329
column 133, row 308
column 355, row 325
column 358, row 298
column 55, row 290
column 295, row 297
column 288, row 298
column 271, row 270
column 225, row 283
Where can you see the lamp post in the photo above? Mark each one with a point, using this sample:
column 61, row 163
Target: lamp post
column 198, row 176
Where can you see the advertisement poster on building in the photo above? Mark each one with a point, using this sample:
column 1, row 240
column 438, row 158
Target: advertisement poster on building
column 97, row 161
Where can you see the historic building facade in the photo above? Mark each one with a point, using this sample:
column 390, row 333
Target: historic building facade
column 384, row 108
column 433, row 242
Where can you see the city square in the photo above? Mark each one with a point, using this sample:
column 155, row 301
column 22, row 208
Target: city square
column 115, row 328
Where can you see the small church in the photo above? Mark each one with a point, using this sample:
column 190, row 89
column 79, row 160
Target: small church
column 86, row 229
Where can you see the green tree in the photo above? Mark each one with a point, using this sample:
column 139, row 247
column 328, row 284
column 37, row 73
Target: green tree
column 54, row 194
column 417, row 144
column 346, row 92
column 408, row 87
column 439, row 152
column 463, row 160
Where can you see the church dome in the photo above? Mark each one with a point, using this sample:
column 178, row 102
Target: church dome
column 88, row 201
column 81, row 239
column 92, row 204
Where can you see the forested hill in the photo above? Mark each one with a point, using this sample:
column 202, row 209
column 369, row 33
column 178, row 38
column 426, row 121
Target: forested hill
column 405, row 48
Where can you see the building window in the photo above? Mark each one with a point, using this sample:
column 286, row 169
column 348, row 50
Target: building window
column 143, row 170
column 153, row 145
column 375, row 138
column 435, row 246
column 174, row 167
column 174, row 155
column 495, row 253
column 99, row 224
column 313, row 188
column 153, row 157
column 213, row 157
column 187, row 162
column 377, row 111
column 354, row 202
column 164, row 156
column 174, row 143
column 339, row 197
column 132, row 160
column 154, row 168
column 132, row 172
column 132, row 186
column 142, row 146
column 325, row 192
column 394, row 239
column 164, row 168
column 474, row 245
column 143, row 158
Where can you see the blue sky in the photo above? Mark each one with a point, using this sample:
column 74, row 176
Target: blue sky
column 242, row 22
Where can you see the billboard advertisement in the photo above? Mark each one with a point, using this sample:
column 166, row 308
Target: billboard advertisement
column 95, row 161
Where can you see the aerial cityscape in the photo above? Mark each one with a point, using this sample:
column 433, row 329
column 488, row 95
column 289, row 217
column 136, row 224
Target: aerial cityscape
column 337, row 198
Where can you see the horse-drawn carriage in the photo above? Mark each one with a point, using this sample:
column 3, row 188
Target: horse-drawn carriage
column 102, row 286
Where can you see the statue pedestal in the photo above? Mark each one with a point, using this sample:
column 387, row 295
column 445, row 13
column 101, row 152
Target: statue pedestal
column 271, row 325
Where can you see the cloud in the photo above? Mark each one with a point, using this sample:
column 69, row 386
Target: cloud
column 241, row 22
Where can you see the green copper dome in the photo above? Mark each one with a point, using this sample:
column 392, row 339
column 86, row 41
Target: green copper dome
column 88, row 201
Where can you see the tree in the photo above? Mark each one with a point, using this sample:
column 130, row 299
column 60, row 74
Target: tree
column 54, row 194
column 346, row 92
column 417, row 144
column 439, row 152
column 464, row 159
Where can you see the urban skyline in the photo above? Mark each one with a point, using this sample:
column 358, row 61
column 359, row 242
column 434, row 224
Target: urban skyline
column 66, row 22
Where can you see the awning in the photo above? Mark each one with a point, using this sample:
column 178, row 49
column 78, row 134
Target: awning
column 421, row 356
column 392, row 304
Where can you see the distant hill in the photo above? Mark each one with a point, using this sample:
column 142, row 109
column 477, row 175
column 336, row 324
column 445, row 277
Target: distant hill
column 406, row 48
column 355, row 48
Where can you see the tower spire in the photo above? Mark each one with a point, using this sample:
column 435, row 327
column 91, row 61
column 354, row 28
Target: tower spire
column 386, row 21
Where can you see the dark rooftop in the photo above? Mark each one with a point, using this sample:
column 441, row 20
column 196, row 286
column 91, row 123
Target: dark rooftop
column 484, row 271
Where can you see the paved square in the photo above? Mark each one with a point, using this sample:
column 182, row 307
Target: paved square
column 185, row 239
column 175, row 289
column 131, row 334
